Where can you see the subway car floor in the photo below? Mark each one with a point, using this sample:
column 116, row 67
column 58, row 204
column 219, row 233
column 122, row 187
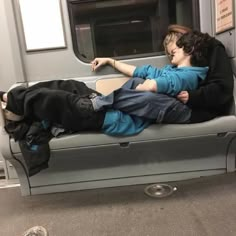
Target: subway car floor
column 205, row 206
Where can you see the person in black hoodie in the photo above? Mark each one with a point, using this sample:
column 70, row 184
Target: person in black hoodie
column 214, row 97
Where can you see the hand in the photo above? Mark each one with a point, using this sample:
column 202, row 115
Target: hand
column 3, row 105
column 148, row 85
column 97, row 62
column 4, row 97
column 183, row 96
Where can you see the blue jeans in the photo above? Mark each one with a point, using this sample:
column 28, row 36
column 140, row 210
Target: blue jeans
column 154, row 106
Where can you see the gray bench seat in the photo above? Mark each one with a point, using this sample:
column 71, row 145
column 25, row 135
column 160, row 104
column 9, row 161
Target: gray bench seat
column 160, row 153
column 154, row 132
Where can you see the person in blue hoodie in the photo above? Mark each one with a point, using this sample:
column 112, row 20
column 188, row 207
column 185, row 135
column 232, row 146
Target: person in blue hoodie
column 149, row 94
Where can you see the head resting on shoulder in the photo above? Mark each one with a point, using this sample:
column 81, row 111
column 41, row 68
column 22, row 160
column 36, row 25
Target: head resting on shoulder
column 195, row 44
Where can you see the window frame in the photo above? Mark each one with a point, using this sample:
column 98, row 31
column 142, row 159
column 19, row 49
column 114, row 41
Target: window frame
column 195, row 25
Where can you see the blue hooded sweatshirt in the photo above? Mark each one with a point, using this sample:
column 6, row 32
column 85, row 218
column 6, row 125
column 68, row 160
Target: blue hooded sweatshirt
column 171, row 79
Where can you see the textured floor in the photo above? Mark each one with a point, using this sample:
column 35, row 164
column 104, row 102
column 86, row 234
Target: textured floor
column 201, row 207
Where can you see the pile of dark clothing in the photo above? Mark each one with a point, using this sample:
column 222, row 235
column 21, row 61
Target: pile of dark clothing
column 64, row 104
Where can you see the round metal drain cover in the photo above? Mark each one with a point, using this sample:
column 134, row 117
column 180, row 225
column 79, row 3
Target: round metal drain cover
column 159, row 190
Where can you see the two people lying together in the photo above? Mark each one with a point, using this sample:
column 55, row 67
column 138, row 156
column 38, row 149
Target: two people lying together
column 197, row 86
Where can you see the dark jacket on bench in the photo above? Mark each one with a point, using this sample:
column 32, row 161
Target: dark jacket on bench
column 44, row 105
column 55, row 101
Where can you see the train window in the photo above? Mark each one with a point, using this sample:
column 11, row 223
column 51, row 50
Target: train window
column 126, row 28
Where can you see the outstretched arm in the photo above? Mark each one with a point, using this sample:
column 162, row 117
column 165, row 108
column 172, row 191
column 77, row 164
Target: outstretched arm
column 120, row 66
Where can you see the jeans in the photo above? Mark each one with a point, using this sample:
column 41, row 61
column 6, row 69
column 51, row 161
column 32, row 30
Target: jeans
column 154, row 106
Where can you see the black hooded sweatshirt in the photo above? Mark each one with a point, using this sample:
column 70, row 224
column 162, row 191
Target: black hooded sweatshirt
column 214, row 96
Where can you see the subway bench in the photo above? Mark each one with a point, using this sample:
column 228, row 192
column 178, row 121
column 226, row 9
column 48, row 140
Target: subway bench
column 161, row 153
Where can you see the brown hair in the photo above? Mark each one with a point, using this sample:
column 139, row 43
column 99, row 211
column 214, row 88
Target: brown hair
column 179, row 29
column 174, row 33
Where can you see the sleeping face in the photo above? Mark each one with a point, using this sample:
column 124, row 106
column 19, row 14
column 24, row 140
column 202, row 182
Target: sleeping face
column 170, row 48
column 179, row 57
